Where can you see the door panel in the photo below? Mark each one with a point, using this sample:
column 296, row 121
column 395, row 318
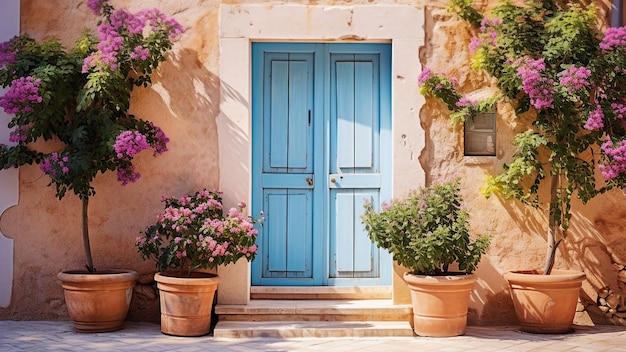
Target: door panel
column 321, row 127
column 355, row 173
column 289, row 250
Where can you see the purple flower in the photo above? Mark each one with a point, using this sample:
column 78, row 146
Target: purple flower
column 475, row 44
column 129, row 143
column 487, row 22
column 7, row 55
column 595, row 120
column 465, row 102
column 24, row 91
column 619, row 109
column 613, row 38
column 18, row 134
column 424, row 76
column 54, row 166
column 157, row 20
column 540, row 89
column 575, row 78
column 127, row 175
column 140, row 53
column 96, row 5
column 615, row 159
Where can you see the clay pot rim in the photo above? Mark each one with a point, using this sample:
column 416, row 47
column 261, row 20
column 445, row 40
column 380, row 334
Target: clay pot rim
column 195, row 277
column 456, row 275
column 111, row 275
column 537, row 276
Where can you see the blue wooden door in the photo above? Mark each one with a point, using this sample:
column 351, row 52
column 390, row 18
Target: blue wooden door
column 321, row 147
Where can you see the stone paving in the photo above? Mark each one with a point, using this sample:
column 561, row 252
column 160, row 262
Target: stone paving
column 59, row 336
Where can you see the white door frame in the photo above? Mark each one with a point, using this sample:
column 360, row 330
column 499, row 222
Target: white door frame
column 402, row 25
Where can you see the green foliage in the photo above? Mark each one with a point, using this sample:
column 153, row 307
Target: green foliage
column 465, row 10
column 426, row 231
column 440, row 86
column 563, row 34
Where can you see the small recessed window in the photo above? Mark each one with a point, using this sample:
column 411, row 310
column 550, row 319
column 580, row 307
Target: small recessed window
column 480, row 135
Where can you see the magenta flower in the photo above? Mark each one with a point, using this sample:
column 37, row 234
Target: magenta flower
column 613, row 38
column 465, row 102
column 21, row 96
column 619, row 109
column 55, row 166
column 96, row 5
column 424, row 76
column 7, row 55
column 575, row 78
column 18, row 135
column 595, row 120
column 127, row 174
column 540, row 89
column 615, row 159
column 129, row 143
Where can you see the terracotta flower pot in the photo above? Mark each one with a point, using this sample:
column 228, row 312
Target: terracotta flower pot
column 545, row 304
column 98, row 302
column 186, row 303
column 440, row 303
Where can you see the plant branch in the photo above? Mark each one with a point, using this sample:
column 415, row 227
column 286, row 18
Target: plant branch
column 86, row 245
column 552, row 243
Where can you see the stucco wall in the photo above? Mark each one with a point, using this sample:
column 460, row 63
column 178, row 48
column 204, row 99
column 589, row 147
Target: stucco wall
column 185, row 101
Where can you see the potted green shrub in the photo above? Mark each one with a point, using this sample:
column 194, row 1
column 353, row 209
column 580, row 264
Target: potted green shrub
column 560, row 72
column 191, row 234
column 428, row 233
column 71, row 117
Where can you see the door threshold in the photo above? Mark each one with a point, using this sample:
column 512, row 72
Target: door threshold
column 321, row 292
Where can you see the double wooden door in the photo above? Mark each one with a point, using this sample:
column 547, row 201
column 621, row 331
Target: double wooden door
column 321, row 125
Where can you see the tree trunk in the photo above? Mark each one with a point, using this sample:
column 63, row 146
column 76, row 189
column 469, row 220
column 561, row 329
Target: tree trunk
column 552, row 242
column 86, row 245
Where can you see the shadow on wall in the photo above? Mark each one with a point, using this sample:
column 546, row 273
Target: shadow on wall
column 595, row 245
column 191, row 93
column 492, row 294
column 236, row 142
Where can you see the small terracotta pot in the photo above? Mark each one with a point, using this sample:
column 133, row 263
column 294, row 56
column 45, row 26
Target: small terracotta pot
column 98, row 302
column 186, row 303
column 440, row 303
column 545, row 304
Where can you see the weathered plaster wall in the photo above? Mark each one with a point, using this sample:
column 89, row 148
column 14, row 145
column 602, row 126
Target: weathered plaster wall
column 185, row 102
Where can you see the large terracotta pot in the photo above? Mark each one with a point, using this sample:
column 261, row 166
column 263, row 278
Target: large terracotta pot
column 186, row 303
column 98, row 302
column 545, row 304
column 440, row 303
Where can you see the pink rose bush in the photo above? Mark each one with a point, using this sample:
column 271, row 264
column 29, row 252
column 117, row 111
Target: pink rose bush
column 193, row 232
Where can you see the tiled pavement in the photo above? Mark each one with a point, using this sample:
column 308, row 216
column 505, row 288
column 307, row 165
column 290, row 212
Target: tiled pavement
column 59, row 336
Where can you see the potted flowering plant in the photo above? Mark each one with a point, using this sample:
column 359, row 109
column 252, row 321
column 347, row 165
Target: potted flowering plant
column 557, row 68
column 427, row 232
column 191, row 234
column 71, row 117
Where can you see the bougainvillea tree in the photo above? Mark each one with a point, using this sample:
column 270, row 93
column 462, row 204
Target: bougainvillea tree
column 76, row 102
column 553, row 62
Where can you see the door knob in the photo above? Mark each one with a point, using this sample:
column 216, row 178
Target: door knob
column 309, row 181
column 333, row 180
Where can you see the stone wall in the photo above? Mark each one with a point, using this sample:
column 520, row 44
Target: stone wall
column 184, row 101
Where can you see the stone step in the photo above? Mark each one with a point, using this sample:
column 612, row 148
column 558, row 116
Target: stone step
column 312, row 310
column 297, row 329
column 320, row 292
